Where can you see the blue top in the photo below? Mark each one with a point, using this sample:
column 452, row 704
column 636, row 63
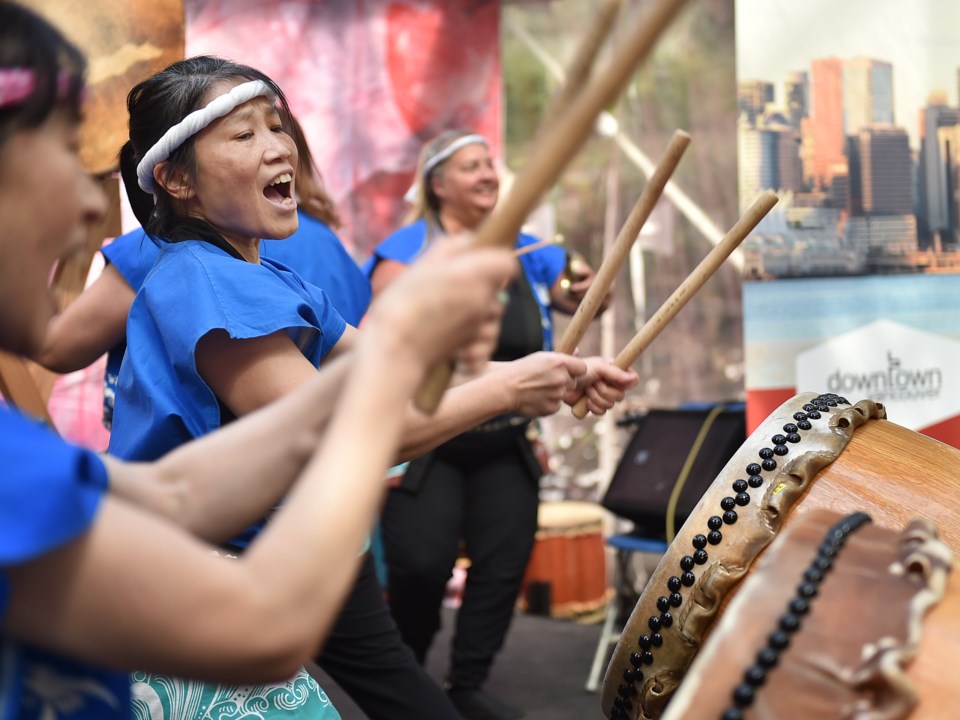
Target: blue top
column 132, row 254
column 541, row 267
column 49, row 496
column 317, row 255
column 313, row 251
column 193, row 289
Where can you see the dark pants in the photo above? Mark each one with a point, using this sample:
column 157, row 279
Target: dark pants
column 365, row 655
column 481, row 488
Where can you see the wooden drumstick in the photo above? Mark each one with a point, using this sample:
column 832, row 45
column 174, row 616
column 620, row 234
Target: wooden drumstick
column 588, row 307
column 527, row 249
column 689, row 287
column 560, row 142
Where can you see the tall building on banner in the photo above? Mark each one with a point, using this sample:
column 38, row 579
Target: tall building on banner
column 885, row 170
column 752, row 97
column 768, row 155
column 949, row 141
column 826, row 120
column 867, row 94
column 756, row 159
column 796, row 91
column 933, row 210
column 881, row 198
column 846, row 95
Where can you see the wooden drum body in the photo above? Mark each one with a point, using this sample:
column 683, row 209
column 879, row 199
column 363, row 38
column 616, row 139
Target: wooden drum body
column 814, row 452
column 827, row 629
column 568, row 558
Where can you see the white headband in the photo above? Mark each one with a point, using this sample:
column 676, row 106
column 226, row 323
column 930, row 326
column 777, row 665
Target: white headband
column 194, row 123
column 442, row 156
column 450, row 149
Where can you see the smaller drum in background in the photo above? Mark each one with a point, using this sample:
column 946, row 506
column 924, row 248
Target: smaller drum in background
column 566, row 576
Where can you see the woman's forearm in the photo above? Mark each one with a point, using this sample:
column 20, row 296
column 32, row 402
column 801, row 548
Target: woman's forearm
column 533, row 386
column 215, row 486
column 89, row 326
column 261, row 616
column 214, row 489
column 463, row 407
column 330, row 511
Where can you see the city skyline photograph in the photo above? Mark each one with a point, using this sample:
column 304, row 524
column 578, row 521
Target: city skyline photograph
column 850, row 114
column 919, row 39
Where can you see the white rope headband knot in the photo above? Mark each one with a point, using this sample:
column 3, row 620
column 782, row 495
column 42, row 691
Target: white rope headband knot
column 443, row 156
column 191, row 125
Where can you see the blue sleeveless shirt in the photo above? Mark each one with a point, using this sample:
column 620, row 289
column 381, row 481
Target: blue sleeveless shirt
column 50, row 492
column 541, row 268
column 314, row 252
column 193, row 289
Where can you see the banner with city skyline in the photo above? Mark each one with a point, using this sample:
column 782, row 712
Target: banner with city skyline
column 852, row 283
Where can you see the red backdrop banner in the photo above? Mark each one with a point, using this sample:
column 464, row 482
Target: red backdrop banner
column 370, row 81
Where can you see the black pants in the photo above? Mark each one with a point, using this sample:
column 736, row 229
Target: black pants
column 481, row 488
column 365, row 655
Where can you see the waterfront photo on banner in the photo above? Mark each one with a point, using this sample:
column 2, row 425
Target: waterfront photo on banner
column 851, row 112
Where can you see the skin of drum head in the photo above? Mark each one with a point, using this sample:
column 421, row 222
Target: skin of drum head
column 734, row 521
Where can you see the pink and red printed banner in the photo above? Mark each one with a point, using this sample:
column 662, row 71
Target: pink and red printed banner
column 370, row 81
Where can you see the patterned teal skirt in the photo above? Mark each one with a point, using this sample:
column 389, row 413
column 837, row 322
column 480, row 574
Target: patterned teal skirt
column 161, row 697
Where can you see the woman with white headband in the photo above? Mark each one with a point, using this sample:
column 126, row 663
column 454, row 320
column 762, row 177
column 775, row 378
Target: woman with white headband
column 364, row 652
column 216, row 330
column 107, row 566
column 481, row 487
column 96, row 322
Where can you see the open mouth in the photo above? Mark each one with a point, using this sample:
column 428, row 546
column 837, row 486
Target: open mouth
column 280, row 190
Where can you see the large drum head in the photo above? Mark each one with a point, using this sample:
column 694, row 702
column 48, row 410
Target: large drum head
column 815, row 451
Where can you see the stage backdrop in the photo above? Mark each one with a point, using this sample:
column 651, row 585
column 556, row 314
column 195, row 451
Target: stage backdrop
column 370, row 82
column 850, row 111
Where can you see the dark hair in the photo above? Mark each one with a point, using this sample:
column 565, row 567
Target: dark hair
column 157, row 104
column 140, row 202
column 29, row 42
column 313, row 197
